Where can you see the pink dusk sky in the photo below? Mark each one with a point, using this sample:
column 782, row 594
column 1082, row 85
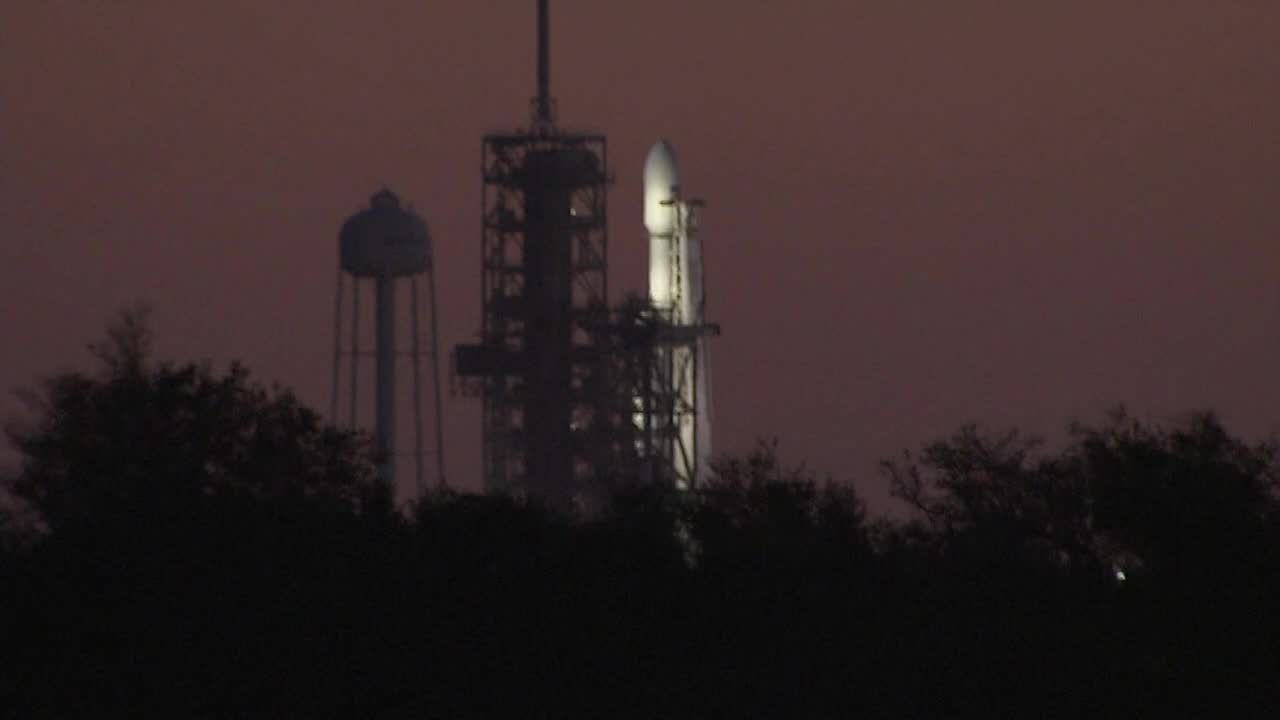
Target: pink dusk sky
column 920, row 214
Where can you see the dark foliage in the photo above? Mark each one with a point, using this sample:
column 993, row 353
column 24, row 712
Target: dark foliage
column 210, row 549
column 1135, row 571
column 137, row 444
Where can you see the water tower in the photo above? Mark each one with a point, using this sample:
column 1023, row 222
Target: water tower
column 383, row 253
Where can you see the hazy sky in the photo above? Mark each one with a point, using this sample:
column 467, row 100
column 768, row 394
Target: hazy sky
column 920, row 214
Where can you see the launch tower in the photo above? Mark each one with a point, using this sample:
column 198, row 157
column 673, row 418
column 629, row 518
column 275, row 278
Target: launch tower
column 544, row 297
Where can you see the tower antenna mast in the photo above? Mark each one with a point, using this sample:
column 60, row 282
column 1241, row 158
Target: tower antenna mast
column 543, row 115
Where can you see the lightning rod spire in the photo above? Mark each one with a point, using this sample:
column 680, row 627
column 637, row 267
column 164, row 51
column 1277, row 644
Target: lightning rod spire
column 542, row 104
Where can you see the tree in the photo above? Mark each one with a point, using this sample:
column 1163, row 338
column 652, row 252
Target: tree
column 139, row 441
column 1137, row 561
column 197, row 527
column 784, row 509
column 997, row 495
column 1192, row 498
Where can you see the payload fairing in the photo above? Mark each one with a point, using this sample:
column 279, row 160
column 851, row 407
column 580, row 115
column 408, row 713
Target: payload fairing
column 676, row 289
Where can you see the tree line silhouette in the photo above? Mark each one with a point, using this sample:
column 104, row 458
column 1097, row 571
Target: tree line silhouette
column 192, row 544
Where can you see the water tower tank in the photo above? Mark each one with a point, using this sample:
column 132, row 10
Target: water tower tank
column 384, row 240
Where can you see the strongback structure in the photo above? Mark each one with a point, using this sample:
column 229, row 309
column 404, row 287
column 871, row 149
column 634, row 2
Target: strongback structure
column 682, row 380
column 384, row 251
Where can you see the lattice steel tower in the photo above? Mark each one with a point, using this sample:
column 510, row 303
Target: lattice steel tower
column 539, row 366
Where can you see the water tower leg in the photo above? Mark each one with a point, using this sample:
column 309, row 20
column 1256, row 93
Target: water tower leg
column 385, row 422
column 435, row 370
column 355, row 348
column 416, row 349
column 337, row 351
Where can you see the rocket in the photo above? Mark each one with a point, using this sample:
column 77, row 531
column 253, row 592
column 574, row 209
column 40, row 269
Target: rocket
column 676, row 289
column 661, row 193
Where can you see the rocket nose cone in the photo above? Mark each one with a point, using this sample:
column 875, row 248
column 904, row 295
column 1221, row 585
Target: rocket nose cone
column 660, row 175
column 660, row 166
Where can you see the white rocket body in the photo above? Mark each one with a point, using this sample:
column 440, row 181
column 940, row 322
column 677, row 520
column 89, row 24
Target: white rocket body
column 675, row 287
column 661, row 186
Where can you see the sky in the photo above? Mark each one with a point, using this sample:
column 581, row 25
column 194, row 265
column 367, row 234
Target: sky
column 919, row 214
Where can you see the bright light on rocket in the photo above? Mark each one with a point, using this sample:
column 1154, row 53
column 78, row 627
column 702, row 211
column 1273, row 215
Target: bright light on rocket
column 675, row 286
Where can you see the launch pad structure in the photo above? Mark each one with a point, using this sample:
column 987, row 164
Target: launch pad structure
column 544, row 286
column 578, row 397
